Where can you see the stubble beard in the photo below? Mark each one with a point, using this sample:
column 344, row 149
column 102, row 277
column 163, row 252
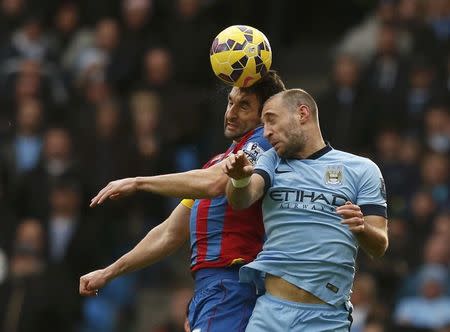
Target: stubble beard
column 297, row 142
column 234, row 135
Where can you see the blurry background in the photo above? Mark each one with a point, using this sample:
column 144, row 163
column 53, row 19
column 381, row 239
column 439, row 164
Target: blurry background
column 92, row 91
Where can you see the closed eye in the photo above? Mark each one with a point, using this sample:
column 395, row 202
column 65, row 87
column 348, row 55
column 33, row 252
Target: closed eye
column 245, row 105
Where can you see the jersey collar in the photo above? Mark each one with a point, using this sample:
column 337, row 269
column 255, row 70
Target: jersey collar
column 319, row 153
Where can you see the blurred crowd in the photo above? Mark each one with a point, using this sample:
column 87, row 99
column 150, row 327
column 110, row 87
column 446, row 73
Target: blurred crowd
column 92, row 91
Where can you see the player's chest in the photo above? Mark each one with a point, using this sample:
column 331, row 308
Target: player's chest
column 324, row 183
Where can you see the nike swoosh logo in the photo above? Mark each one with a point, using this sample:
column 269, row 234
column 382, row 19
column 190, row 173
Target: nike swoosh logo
column 277, row 171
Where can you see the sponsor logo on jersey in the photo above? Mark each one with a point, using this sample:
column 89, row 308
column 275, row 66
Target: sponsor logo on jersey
column 303, row 196
column 307, row 200
column 280, row 171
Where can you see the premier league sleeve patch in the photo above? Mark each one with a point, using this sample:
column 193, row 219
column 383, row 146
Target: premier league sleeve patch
column 383, row 188
column 253, row 151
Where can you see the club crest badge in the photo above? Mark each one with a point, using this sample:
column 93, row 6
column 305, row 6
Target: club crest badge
column 334, row 175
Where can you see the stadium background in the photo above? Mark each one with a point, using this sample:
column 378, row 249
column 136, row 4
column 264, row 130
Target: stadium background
column 92, row 91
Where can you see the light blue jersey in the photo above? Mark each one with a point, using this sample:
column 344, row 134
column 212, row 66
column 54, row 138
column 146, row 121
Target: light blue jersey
column 306, row 243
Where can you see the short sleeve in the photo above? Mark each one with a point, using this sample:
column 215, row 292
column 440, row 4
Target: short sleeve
column 256, row 146
column 265, row 167
column 372, row 196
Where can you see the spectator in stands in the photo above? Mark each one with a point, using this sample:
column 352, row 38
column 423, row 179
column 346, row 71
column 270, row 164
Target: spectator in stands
column 188, row 19
column 66, row 24
column 150, row 151
column 30, row 41
column 34, row 298
column 431, row 308
column 11, row 14
column 437, row 128
column 70, row 239
column 435, row 176
column 177, row 320
column 422, row 91
column 437, row 14
column 94, row 60
column 58, row 161
column 343, row 100
column 361, row 40
column 141, row 29
column 384, row 78
column 363, row 300
column 418, row 36
column 21, row 152
column 374, row 326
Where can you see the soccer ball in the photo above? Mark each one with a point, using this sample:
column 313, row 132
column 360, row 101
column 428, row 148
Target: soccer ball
column 240, row 55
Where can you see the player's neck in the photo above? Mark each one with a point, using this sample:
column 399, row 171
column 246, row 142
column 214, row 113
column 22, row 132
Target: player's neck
column 312, row 145
column 237, row 140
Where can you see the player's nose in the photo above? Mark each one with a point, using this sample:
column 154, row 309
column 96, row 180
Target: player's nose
column 267, row 132
column 232, row 112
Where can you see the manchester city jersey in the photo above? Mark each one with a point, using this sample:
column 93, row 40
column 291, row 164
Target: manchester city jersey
column 306, row 243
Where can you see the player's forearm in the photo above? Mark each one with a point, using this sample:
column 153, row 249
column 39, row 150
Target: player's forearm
column 373, row 240
column 240, row 198
column 154, row 247
column 192, row 184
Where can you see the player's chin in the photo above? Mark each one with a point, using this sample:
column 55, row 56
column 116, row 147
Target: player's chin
column 283, row 154
column 279, row 149
column 232, row 133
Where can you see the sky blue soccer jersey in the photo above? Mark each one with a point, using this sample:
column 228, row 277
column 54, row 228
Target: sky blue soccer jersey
column 306, row 243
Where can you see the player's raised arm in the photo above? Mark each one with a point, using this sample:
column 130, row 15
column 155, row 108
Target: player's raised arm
column 200, row 183
column 159, row 243
column 244, row 188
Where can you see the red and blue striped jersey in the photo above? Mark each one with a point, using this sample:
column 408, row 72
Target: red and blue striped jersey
column 219, row 235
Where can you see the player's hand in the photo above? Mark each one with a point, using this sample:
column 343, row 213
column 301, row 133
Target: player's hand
column 114, row 190
column 90, row 283
column 352, row 217
column 237, row 166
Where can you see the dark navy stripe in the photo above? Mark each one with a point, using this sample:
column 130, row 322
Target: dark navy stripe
column 266, row 178
column 373, row 210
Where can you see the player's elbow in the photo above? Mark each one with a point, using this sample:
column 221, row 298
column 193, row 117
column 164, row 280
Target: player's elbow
column 380, row 250
column 385, row 245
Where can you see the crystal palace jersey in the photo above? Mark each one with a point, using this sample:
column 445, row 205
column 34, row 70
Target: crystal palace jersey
column 220, row 236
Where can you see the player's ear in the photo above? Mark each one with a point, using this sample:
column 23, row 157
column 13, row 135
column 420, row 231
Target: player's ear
column 304, row 113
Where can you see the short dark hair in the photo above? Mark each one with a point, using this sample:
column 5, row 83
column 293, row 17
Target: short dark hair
column 295, row 97
column 269, row 85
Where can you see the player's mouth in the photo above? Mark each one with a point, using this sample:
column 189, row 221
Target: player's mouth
column 232, row 125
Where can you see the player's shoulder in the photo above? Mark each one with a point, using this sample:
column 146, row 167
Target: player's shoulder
column 214, row 160
column 269, row 157
column 352, row 159
column 257, row 136
column 256, row 145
